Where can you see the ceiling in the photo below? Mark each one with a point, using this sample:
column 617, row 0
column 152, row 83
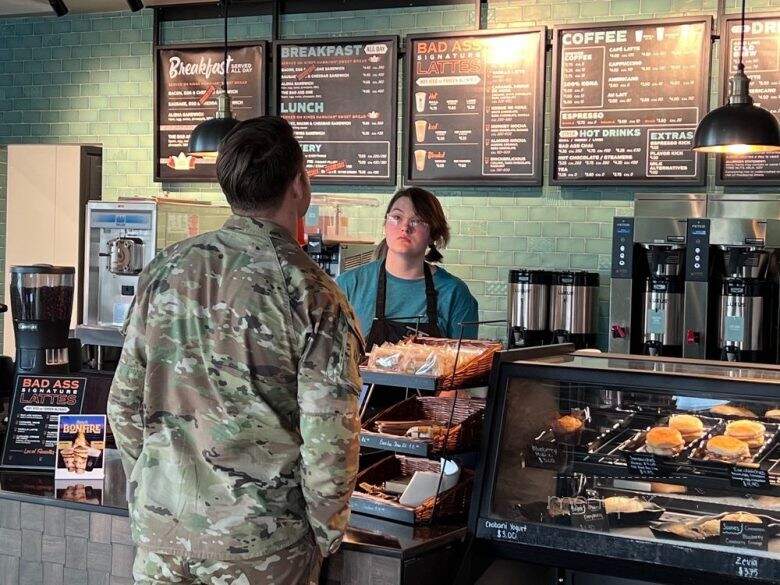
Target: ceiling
column 36, row 7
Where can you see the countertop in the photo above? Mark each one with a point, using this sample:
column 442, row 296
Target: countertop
column 365, row 534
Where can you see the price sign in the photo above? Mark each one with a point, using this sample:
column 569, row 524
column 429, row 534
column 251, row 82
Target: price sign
column 744, row 535
column 545, row 455
column 589, row 514
column 747, row 567
column 645, row 465
column 749, row 478
column 511, row 531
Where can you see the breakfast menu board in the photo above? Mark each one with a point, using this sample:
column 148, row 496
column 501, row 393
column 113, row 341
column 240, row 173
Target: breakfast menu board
column 340, row 96
column 761, row 57
column 188, row 81
column 627, row 99
column 475, row 108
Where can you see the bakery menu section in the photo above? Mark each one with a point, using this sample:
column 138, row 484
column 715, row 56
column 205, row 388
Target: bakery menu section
column 340, row 98
column 627, row 100
column 189, row 79
column 761, row 56
column 475, row 108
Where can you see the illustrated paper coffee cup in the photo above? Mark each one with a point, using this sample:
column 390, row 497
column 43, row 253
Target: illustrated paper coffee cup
column 419, row 100
column 638, row 35
column 419, row 159
column 419, row 129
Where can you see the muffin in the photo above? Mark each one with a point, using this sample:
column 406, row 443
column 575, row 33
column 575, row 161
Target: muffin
column 567, row 424
column 749, row 431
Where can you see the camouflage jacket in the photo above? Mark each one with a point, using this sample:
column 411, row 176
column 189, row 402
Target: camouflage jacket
column 234, row 405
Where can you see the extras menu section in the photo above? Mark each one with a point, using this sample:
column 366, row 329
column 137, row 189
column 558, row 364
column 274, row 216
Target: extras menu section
column 627, row 99
column 475, row 108
column 340, row 98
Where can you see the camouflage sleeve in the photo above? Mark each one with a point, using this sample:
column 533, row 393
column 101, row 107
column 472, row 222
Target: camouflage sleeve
column 127, row 389
column 328, row 387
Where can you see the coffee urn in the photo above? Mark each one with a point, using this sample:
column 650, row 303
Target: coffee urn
column 528, row 307
column 662, row 325
column 743, row 309
column 41, row 303
column 574, row 311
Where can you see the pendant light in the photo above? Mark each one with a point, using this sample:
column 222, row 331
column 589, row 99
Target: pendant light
column 207, row 135
column 739, row 127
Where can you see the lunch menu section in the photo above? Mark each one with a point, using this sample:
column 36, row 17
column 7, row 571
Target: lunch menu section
column 627, row 100
column 340, row 98
column 189, row 80
column 761, row 57
column 475, row 108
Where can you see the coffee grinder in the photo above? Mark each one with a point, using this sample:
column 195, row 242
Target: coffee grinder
column 41, row 303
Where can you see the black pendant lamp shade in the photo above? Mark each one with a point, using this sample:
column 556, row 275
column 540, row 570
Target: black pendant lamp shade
column 207, row 135
column 739, row 127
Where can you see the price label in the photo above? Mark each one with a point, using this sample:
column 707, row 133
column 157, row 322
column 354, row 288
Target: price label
column 744, row 535
column 511, row 531
column 545, row 455
column 589, row 514
column 749, row 478
column 747, row 567
column 645, row 465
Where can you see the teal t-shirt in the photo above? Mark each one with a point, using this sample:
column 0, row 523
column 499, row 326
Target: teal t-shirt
column 405, row 298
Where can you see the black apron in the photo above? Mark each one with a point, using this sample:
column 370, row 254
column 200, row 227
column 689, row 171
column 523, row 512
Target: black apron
column 383, row 329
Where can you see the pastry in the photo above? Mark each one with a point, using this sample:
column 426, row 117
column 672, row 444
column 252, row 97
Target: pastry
column 728, row 448
column 711, row 527
column 750, row 431
column 690, row 427
column 664, row 441
column 567, row 424
column 667, row 488
column 730, row 410
column 773, row 414
column 622, row 505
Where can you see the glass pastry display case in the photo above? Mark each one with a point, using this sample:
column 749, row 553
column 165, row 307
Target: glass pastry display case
column 657, row 468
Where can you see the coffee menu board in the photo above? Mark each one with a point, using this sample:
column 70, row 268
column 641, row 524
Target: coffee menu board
column 340, row 97
column 761, row 57
column 627, row 99
column 33, row 422
column 475, row 108
column 188, row 81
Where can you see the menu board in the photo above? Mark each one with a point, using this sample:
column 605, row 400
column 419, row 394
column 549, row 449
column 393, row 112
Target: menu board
column 475, row 108
column 188, row 81
column 761, row 57
column 340, row 97
column 37, row 403
column 627, row 99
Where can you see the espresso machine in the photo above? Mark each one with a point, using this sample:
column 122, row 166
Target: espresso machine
column 574, row 308
column 651, row 261
column 336, row 257
column 528, row 308
column 41, row 304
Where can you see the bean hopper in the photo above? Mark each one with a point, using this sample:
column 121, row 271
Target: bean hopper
column 41, row 303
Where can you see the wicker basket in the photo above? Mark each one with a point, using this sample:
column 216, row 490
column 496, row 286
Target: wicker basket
column 462, row 435
column 451, row 503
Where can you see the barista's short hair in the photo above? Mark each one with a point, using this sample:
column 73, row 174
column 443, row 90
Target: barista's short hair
column 257, row 161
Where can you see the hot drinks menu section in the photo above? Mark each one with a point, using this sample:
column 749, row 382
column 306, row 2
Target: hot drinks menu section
column 761, row 57
column 628, row 100
column 340, row 98
column 476, row 108
column 189, row 82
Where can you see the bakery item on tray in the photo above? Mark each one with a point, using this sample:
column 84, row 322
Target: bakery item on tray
column 731, row 410
column 749, row 431
column 623, row 505
column 728, row 448
column 711, row 527
column 664, row 441
column 773, row 414
column 667, row 488
column 690, row 426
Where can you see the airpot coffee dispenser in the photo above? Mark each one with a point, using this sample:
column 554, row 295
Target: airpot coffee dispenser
column 41, row 303
column 574, row 308
column 529, row 292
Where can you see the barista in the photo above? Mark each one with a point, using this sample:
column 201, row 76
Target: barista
column 403, row 283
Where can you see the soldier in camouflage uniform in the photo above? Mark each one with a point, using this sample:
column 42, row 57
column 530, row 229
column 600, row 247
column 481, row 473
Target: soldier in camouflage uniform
column 234, row 405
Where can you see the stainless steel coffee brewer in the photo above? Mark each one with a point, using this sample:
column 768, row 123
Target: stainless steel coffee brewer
column 574, row 308
column 528, row 303
column 651, row 258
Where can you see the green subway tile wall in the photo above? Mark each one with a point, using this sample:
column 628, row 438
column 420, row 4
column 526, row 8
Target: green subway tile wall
column 88, row 79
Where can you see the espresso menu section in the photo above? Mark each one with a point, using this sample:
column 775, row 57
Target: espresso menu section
column 189, row 79
column 628, row 98
column 475, row 108
column 761, row 57
column 341, row 100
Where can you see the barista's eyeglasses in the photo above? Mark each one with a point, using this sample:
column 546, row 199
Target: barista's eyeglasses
column 396, row 219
